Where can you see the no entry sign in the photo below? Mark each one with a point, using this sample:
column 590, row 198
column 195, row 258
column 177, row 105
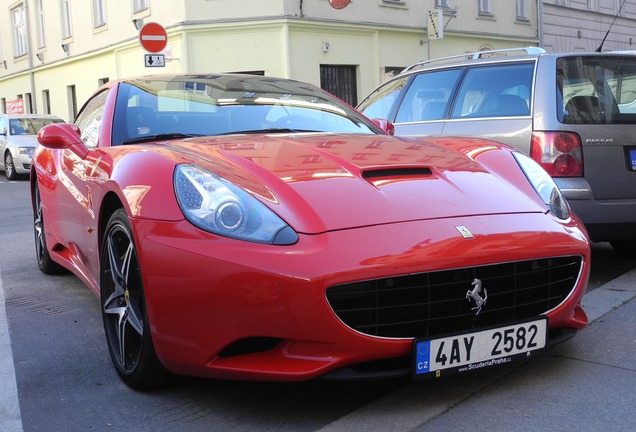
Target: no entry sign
column 339, row 4
column 153, row 37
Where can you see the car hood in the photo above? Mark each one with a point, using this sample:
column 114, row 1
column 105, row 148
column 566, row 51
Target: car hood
column 23, row 140
column 323, row 182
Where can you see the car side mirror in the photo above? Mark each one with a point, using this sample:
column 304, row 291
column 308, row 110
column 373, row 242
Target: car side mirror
column 385, row 125
column 63, row 136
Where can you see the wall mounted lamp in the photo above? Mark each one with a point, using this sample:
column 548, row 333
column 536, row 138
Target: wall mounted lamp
column 65, row 48
column 138, row 23
column 40, row 56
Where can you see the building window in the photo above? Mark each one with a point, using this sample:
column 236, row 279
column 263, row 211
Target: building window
column 139, row 5
column 67, row 30
column 19, row 29
column 71, row 98
column 521, row 10
column 620, row 8
column 46, row 101
column 99, row 13
column 340, row 80
column 561, row 2
column 484, row 7
column 28, row 103
column 592, row 5
column 40, row 24
column 441, row 4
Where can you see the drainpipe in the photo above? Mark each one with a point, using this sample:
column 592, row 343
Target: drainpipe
column 540, row 21
column 34, row 106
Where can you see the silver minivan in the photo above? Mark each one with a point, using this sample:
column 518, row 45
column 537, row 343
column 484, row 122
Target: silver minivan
column 574, row 113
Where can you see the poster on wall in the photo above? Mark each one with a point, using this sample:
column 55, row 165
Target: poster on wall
column 15, row 106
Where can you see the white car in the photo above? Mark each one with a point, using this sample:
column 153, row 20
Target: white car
column 18, row 139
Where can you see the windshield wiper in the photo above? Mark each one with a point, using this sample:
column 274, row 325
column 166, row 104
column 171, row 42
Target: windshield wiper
column 161, row 137
column 270, row 130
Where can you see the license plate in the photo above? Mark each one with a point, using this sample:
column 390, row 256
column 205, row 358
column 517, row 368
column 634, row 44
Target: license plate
column 632, row 159
column 481, row 349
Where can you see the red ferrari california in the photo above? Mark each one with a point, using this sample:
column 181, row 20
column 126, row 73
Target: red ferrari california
column 249, row 227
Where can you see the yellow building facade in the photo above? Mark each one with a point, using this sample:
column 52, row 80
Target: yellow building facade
column 54, row 54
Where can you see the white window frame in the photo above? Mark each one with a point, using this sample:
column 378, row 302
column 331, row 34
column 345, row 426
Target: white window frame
column 65, row 11
column 483, row 7
column 99, row 13
column 139, row 5
column 40, row 24
column 521, row 10
column 20, row 46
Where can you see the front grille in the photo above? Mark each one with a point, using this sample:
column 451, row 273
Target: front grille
column 435, row 303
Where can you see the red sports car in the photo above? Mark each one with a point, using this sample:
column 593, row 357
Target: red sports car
column 249, row 227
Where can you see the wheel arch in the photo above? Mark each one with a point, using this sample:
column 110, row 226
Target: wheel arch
column 110, row 204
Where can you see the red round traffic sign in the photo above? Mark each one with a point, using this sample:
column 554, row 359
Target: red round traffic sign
column 153, row 37
column 339, row 4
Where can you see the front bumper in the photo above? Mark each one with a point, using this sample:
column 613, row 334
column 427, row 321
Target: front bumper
column 230, row 309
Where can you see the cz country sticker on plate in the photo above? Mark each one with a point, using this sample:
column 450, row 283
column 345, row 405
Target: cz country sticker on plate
column 481, row 349
column 631, row 159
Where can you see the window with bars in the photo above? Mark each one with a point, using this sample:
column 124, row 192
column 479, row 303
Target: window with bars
column 340, row 81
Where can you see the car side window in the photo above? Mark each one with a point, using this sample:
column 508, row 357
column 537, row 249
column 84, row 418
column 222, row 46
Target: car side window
column 90, row 118
column 385, row 98
column 428, row 97
column 495, row 91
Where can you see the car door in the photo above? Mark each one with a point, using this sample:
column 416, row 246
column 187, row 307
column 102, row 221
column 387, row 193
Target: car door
column 417, row 104
column 495, row 102
column 3, row 139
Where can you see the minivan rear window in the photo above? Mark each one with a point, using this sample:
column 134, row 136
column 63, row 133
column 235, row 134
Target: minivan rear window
column 596, row 90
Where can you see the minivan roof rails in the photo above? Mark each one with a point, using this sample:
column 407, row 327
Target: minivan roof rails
column 529, row 51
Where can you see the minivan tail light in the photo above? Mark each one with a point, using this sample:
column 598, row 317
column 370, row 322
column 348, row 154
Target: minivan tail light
column 559, row 153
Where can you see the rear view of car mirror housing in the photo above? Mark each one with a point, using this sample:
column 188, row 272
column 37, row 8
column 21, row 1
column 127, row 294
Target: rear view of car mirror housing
column 63, row 136
column 385, row 125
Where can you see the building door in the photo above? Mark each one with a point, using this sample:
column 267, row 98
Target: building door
column 340, row 80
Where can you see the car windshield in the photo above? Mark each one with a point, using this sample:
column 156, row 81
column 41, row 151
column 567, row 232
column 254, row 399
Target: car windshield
column 29, row 126
column 597, row 90
column 176, row 107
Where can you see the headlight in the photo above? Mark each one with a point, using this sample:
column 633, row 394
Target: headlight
column 218, row 206
column 26, row 151
column 544, row 185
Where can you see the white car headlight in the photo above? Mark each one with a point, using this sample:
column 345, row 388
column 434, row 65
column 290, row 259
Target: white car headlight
column 214, row 204
column 544, row 185
column 26, row 151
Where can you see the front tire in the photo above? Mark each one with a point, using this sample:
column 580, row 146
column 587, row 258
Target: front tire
column 9, row 167
column 124, row 309
column 45, row 263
